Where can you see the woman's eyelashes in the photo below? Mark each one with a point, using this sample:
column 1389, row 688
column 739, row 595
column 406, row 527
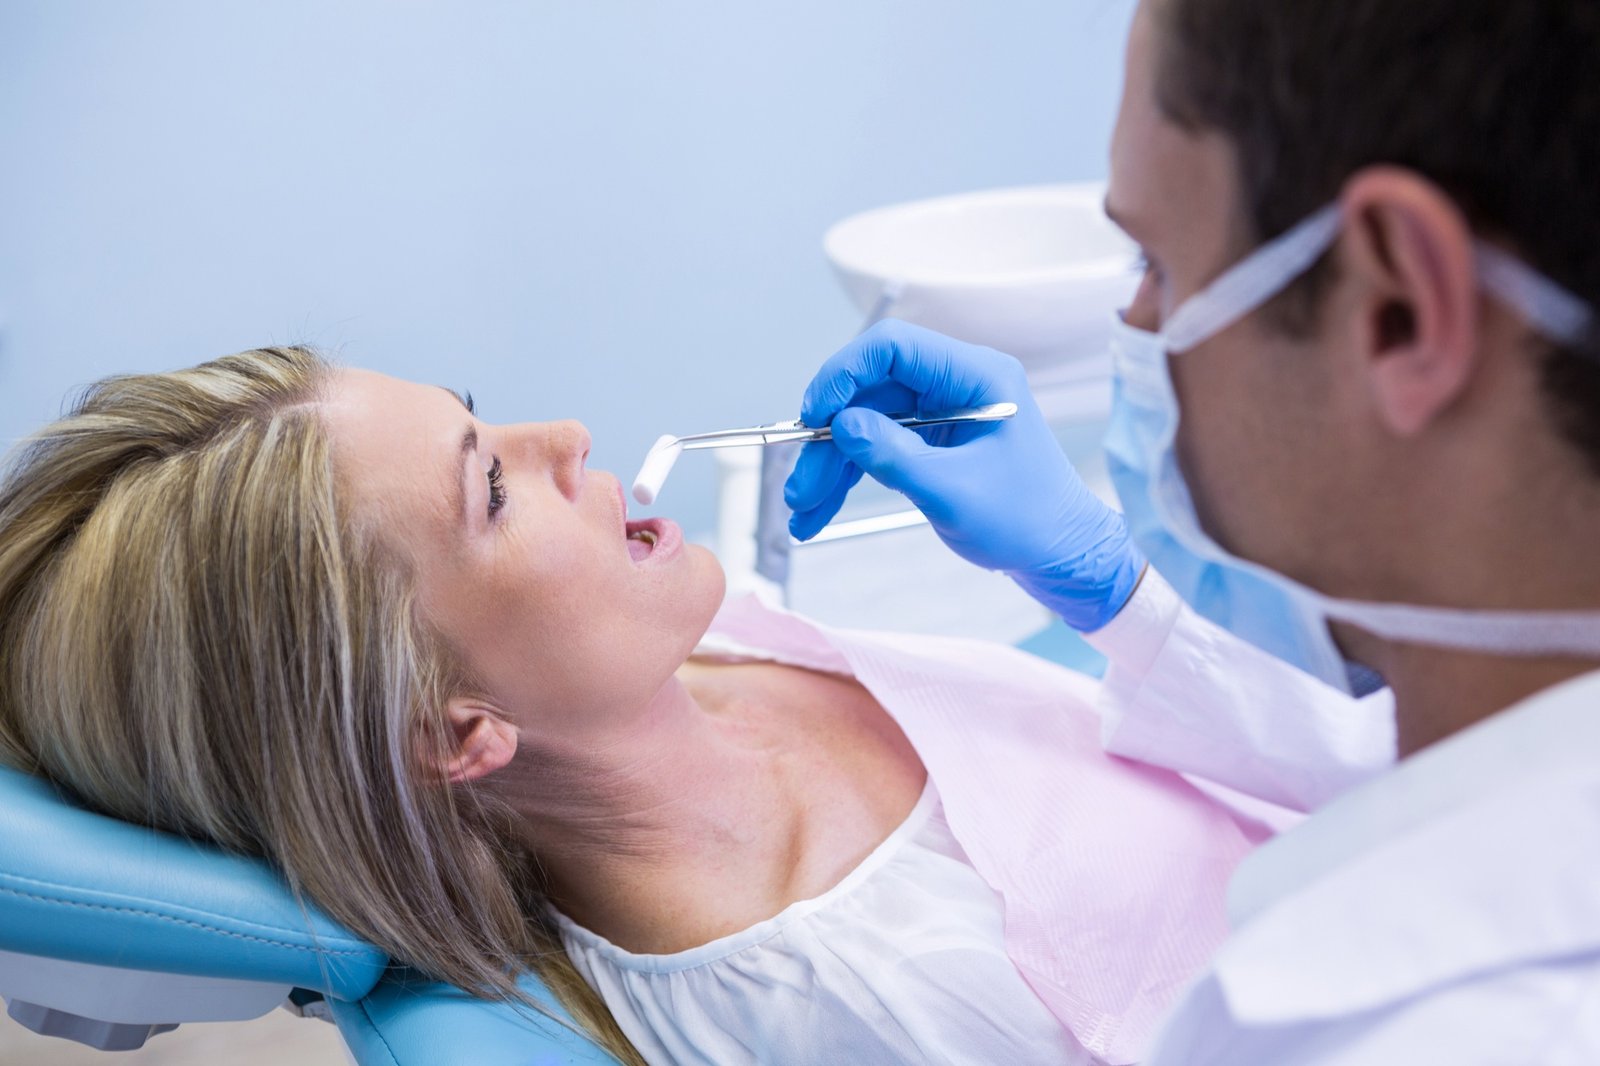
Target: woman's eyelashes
column 497, row 488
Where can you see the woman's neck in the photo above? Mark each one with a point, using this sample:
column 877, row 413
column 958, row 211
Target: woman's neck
column 695, row 793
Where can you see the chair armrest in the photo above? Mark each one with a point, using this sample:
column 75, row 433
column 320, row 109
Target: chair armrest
column 118, row 1010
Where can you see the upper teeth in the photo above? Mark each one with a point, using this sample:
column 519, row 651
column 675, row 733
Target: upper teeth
column 644, row 535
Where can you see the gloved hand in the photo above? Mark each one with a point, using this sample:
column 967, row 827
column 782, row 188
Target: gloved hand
column 1000, row 494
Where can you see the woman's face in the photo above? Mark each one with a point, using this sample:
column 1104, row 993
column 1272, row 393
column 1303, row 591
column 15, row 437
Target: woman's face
column 525, row 558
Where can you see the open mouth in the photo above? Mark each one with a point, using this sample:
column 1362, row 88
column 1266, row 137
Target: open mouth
column 641, row 542
column 649, row 540
column 652, row 539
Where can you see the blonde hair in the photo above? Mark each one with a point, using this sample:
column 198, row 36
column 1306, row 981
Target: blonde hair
column 193, row 637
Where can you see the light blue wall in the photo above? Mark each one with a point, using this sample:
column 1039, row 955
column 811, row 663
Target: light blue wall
column 602, row 209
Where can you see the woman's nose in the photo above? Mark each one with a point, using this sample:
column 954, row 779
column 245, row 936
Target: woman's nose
column 568, row 442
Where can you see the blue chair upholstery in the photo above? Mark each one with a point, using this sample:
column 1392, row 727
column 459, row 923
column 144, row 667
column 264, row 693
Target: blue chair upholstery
column 409, row 1020
column 76, row 885
column 80, row 889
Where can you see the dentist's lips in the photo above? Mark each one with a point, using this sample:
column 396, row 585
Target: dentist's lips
column 653, row 540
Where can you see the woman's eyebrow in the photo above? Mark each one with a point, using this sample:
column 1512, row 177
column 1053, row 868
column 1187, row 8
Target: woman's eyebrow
column 469, row 445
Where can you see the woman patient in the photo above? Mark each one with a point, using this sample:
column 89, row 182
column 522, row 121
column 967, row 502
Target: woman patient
column 428, row 668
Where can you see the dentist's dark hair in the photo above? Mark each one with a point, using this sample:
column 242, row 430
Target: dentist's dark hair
column 1496, row 101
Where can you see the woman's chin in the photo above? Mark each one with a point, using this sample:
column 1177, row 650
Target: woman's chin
column 710, row 574
column 701, row 593
column 683, row 593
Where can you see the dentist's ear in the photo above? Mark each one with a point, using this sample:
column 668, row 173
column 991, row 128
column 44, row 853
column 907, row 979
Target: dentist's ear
column 1409, row 248
column 478, row 742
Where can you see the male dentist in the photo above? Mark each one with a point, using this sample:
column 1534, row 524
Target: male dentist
column 1373, row 254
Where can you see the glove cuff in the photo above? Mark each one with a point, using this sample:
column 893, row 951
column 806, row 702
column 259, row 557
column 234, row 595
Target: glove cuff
column 1089, row 589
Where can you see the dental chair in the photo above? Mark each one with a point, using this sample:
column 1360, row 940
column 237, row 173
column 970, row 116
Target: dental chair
column 111, row 934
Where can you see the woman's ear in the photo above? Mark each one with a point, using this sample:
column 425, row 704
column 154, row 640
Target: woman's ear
column 478, row 741
column 1410, row 248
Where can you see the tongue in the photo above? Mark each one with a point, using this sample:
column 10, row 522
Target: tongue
column 638, row 550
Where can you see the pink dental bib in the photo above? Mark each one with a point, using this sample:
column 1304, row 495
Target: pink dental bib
column 1113, row 874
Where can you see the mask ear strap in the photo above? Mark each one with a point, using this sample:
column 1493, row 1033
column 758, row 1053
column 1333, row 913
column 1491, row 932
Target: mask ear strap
column 1549, row 308
column 1252, row 281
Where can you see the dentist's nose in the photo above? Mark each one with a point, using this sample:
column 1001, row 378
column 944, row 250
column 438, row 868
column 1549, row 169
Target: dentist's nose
column 1145, row 311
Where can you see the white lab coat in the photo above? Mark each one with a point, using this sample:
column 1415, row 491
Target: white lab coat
column 1443, row 911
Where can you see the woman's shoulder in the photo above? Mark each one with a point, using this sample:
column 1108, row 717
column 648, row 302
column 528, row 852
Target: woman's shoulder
column 847, row 905
column 910, row 943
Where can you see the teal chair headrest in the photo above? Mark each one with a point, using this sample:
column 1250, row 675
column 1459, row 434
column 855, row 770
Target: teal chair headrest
column 80, row 886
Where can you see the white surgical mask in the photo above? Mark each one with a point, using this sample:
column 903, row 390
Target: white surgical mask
column 1271, row 610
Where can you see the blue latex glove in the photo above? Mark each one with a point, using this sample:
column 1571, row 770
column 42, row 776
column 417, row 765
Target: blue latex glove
column 1001, row 494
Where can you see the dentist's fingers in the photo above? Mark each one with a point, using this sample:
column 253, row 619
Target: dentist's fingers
column 803, row 525
column 895, row 456
column 927, row 364
column 814, row 476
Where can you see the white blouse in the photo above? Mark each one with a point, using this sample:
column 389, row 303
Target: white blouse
column 904, row 961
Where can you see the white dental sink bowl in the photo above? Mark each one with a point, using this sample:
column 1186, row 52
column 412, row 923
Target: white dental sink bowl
column 1033, row 271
